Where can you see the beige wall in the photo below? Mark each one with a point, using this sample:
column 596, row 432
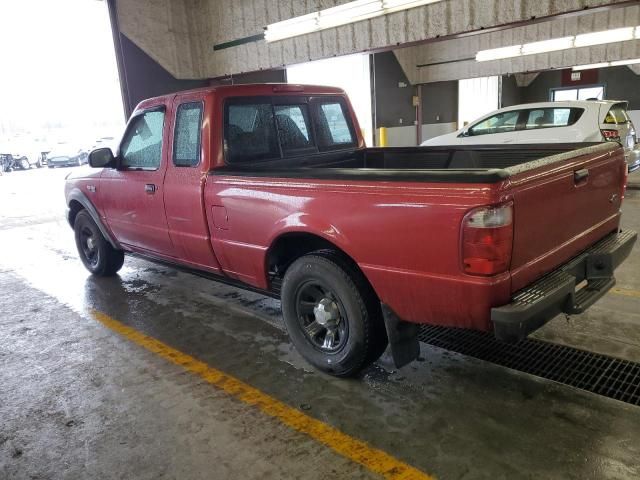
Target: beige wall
column 180, row 34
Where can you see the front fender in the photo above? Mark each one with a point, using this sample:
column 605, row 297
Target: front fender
column 78, row 196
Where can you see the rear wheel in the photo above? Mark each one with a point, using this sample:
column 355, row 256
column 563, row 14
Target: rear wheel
column 96, row 253
column 24, row 164
column 331, row 314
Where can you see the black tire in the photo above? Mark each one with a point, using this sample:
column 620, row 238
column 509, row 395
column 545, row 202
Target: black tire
column 96, row 253
column 24, row 164
column 357, row 338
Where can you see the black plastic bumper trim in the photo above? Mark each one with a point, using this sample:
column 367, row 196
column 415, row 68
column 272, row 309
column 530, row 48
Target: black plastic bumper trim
column 556, row 292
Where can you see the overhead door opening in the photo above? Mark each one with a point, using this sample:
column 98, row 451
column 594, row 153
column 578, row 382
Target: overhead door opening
column 351, row 73
column 476, row 97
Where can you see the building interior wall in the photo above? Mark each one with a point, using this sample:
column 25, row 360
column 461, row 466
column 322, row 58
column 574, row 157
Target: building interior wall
column 620, row 83
column 394, row 103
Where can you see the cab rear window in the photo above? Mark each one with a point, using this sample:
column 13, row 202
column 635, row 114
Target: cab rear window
column 270, row 128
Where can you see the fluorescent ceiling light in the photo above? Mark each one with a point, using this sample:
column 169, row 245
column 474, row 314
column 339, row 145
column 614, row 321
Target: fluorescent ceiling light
column 563, row 43
column 544, row 46
column 391, row 6
column 335, row 16
column 590, row 66
column 607, row 36
column 291, row 28
column 617, row 63
column 498, row 53
column 348, row 13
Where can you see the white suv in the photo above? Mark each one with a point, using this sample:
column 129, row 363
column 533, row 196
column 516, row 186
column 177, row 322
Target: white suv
column 552, row 122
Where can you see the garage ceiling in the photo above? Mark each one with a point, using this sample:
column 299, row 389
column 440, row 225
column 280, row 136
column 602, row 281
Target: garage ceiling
column 181, row 34
column 455, row 59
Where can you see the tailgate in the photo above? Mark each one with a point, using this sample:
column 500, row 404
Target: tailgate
column 562, row 207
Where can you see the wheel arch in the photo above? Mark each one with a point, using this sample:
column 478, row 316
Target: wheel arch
column 78, row 201
column 289, row 246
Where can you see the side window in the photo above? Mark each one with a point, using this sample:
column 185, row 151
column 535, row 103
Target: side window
column 293, row 127
column 142, row 145
column 551, row 117
column 498, row 123
column 186, row 139
column 332, row 126
column 249, row 132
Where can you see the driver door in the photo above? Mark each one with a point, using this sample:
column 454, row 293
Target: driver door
column 133, row 192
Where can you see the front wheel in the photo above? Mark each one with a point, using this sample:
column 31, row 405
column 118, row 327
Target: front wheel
column 331, row 314
column 24, row 164
column 96, row 253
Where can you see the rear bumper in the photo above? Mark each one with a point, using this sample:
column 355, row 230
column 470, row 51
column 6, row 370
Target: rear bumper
column 556, row 293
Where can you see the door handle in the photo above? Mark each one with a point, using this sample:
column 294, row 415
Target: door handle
column 150, row 188
column 580, row 175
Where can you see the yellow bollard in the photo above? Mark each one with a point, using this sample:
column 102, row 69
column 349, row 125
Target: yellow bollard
column 382, row 137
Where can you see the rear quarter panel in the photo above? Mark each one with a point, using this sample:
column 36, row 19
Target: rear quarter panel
column 404, row 236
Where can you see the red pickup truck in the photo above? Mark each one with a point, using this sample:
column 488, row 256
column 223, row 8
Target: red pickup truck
column 271, row 187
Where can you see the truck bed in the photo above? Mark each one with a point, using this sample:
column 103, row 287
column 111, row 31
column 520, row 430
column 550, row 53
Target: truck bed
column 397, row 212
column 459, row 164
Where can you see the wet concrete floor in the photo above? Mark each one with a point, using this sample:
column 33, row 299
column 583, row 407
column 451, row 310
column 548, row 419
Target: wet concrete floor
column 79, row 401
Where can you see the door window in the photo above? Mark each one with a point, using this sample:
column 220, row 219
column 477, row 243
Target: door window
column 186, row 140
column 499, row 123
column 142, row 145
column 552, row 117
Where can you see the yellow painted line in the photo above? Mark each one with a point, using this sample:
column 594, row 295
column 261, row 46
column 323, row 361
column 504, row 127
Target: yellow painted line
column 356, row 450
column 626, row 292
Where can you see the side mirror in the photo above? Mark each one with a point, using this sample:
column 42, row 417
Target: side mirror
column 101, row 157
column 464, row 133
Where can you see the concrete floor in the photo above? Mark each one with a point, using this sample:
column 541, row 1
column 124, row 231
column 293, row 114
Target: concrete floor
column 79, row 401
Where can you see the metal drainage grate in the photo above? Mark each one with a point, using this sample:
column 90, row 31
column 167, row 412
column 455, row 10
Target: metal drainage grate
column 593, row 372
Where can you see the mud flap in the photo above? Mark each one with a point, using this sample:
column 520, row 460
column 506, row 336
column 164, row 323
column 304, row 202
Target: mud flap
column 403, row 337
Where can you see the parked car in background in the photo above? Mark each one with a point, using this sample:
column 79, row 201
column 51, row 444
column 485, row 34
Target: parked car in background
column 19, row 155
column 67, row 155
column 27, row 160
column 552, row 122
column 7, row 163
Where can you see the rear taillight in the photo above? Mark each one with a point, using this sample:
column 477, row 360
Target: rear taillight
column 487, row 240
column 611, row 135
